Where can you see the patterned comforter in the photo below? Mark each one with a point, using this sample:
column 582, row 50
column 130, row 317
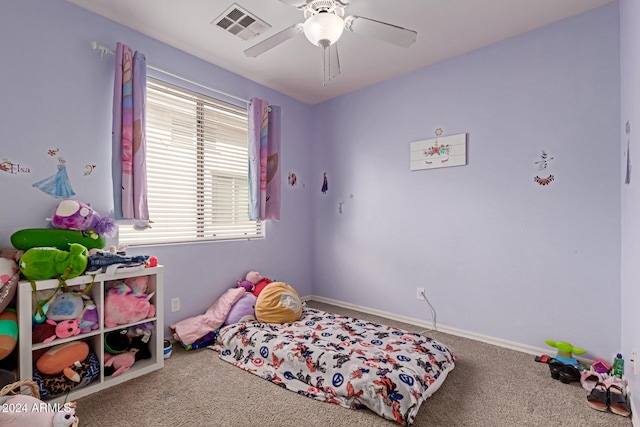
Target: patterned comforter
column 342, row 360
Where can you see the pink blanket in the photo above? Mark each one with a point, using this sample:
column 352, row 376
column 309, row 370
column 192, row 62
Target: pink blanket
column 190, row 330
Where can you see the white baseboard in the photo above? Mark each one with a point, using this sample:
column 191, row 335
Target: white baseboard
column 440, row 328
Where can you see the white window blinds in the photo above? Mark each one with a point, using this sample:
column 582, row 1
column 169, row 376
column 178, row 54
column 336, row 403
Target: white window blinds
column 197, row 164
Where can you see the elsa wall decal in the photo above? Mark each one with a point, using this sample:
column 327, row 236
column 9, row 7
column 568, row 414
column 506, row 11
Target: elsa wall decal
column 57, row 185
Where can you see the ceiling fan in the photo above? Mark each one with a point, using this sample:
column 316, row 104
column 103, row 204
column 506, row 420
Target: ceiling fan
column 323, row 26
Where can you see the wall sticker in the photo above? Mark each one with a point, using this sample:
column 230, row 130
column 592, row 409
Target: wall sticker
column 543, row 164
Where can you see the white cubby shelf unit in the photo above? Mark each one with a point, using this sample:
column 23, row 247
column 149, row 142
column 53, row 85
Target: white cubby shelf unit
column 95, row 338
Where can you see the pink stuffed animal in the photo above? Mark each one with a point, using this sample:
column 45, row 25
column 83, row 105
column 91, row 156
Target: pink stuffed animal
column 68, row 328
column 122, row 305
column 258, row 281
column 138, row 285
column 122, row 362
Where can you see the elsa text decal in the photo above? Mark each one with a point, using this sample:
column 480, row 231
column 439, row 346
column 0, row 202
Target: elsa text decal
column 13, row 168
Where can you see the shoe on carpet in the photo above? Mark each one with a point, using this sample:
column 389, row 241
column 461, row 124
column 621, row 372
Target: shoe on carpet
column 598, row 399
column 618, row 401
column 569, row 374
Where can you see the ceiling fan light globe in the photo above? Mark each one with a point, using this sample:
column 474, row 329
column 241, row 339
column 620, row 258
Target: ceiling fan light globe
column 323, row 29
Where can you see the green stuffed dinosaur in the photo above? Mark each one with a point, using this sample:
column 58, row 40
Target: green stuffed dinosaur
column 49, row 263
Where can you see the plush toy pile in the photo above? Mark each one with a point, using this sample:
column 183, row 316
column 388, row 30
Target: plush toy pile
column 65, row 367
column 128, row 301
column 125, row 347
column 254, row 298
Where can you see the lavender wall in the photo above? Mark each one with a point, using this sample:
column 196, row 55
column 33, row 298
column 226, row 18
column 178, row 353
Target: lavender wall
column 56, row 93
column 498, row 254
column 630, row 90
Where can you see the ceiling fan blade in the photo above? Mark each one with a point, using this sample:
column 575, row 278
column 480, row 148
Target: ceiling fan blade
column 381, row 30
column 295, row 3
column 330, row 63
column 273, row 41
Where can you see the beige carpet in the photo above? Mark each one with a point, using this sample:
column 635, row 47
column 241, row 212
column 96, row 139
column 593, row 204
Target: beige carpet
column 490, row 386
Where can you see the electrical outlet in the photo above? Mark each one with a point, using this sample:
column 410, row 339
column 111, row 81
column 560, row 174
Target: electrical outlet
column 420, row 294
column 175, row 304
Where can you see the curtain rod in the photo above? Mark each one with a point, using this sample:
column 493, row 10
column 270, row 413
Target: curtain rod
column 104, row 50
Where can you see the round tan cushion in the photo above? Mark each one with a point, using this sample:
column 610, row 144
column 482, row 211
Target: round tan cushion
column 278, row 303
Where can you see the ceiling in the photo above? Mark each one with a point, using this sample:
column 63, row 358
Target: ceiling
column 446, row 28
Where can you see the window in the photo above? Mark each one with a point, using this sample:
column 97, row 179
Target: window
column 197, row 166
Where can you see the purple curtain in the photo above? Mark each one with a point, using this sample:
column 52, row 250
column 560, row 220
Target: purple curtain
column 264, row 153
column 272, row 210
column 128, row 162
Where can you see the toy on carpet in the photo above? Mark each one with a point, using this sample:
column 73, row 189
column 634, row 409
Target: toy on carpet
column 120, row 363
column 63, row 358
column 600, row 366
column 8, row 332
column 47, row 263
column 565, row 352
column 278, row 303
column 242, row 310
column 128, row 304
column 204, row 341
column 74, row 215
column 258, row 281
column 66, row 417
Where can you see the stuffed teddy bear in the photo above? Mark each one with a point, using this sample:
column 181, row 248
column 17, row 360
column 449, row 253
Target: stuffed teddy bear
column 123, row 305
column 48, row 263
column 74, row 215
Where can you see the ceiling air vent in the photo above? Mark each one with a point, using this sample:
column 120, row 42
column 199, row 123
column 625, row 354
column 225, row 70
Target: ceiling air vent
column 241, row 23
